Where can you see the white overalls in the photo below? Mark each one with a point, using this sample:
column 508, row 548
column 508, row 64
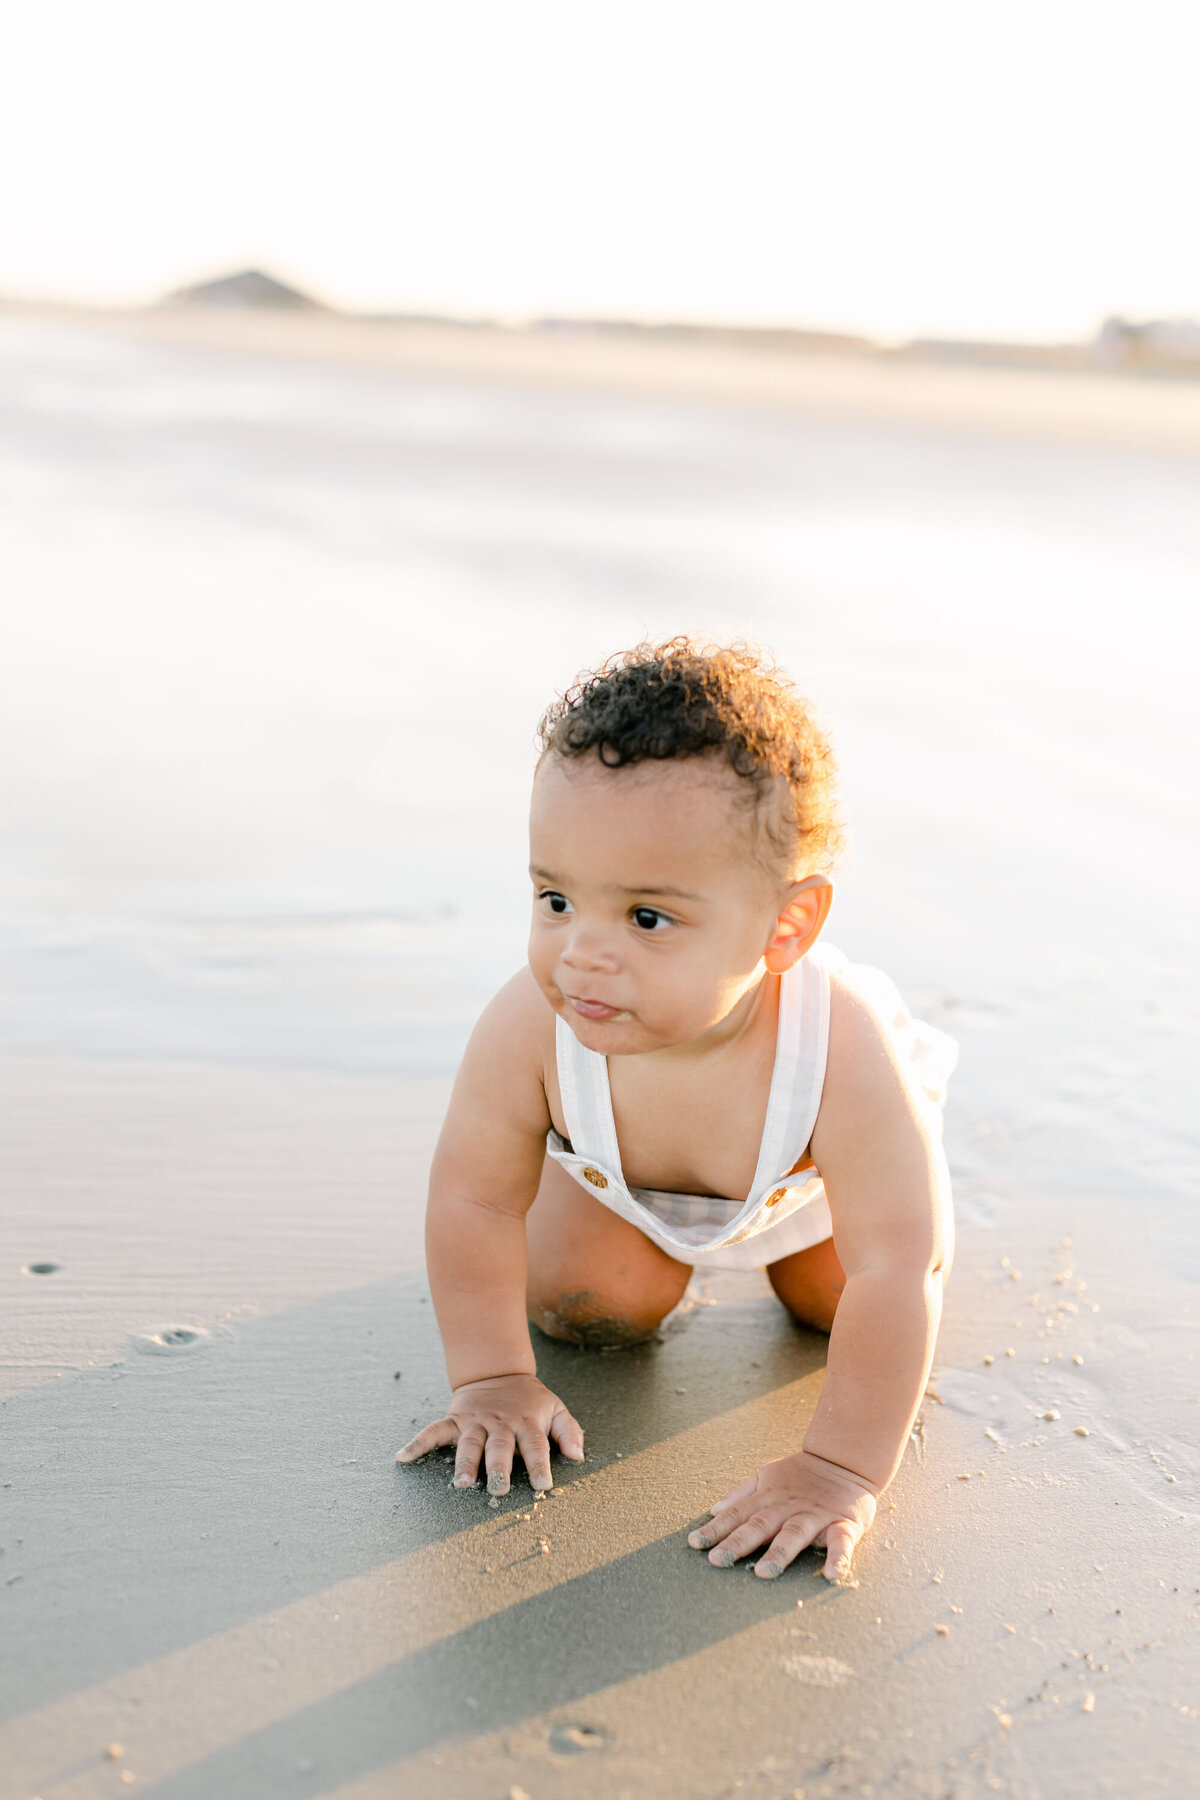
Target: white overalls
column 783, row 1212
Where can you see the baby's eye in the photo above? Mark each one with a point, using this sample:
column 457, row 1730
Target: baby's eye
column 555, row 903
column 648, row 918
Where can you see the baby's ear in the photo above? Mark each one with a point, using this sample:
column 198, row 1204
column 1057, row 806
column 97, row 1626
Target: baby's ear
column 799, row 923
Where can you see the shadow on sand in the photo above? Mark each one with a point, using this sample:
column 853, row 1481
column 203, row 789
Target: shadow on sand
column 169, row 1499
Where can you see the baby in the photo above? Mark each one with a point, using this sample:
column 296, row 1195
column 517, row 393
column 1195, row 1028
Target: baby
column 682, row 1077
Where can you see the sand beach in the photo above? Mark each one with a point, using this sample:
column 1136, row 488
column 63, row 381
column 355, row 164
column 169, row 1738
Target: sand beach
column 283, row 600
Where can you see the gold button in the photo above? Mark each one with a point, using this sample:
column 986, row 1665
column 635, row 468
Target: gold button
column 595, row 1177
column 777, row 1196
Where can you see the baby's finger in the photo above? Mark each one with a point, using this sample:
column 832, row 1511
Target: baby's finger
column 712, row 1531
column 723, row 1521
column 498, row 1460
column 840, row 1540
column 442, row 1431
column 757, row 1529
column 466, row 1463
column 737, row 1495
column 567, row 1434
column 534, row 1446
column 795, row 1535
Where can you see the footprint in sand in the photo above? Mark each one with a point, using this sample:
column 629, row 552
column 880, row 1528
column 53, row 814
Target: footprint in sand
column 573, row 1740
column 169, row 1340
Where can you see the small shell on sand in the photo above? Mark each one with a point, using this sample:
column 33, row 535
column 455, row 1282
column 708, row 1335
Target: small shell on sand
column 1088, row 1703
column 115, row 1752
column 1010, row 1353
column 942, row 1630
column 1081, row 1431
column 1077, row 1360
column 1050, row 1415
column 988, row 1361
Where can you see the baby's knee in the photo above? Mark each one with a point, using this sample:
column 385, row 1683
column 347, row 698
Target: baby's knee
column 590, row 1320
column 810, row 1284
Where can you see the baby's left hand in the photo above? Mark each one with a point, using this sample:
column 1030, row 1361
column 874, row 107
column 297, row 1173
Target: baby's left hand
column 789, row 1504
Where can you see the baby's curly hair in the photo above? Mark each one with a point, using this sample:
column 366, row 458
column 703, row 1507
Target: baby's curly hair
column 680, row 699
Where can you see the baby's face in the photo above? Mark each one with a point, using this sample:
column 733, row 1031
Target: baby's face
column 651, row 912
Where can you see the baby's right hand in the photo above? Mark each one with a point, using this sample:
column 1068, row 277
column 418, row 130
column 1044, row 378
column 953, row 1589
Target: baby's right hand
column 494, row 1417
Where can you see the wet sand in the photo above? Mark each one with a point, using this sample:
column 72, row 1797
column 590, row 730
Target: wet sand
column 214, row 1564
column 218, row 1120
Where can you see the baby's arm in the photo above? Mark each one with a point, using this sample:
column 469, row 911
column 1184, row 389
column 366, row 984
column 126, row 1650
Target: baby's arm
column 485, row 1178
column 889, row 1194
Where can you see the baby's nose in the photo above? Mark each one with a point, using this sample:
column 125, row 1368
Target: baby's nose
column 587, row 948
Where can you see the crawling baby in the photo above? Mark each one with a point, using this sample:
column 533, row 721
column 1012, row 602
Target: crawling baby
column 684, row 1077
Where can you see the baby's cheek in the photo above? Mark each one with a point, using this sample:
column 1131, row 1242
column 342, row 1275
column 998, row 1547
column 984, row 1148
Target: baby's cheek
column 692, row 1006
column 541, row 962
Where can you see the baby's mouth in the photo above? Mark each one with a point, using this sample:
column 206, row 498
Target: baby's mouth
column 593, row 1009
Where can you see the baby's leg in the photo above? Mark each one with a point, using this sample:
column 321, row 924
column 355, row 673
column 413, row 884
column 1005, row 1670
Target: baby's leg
column 810, row 1284
column 594, row 1278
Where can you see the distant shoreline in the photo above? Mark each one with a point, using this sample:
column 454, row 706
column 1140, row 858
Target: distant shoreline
column 1068, row 400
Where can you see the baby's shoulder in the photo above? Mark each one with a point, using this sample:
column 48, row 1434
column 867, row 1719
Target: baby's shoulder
column 517, row 1023
column 500, row 1085
column 494, row 1134
column 868, row 1089
column 857, row 1021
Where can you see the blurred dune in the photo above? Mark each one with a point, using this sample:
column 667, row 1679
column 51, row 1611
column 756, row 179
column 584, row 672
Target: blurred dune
column 1074, row 394
column 249, row 288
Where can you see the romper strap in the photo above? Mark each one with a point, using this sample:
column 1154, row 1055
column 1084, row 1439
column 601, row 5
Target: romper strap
column 586, row 1100
column 801, row 1050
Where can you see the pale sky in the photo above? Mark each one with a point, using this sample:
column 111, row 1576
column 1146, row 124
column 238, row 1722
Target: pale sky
column 895, row 168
